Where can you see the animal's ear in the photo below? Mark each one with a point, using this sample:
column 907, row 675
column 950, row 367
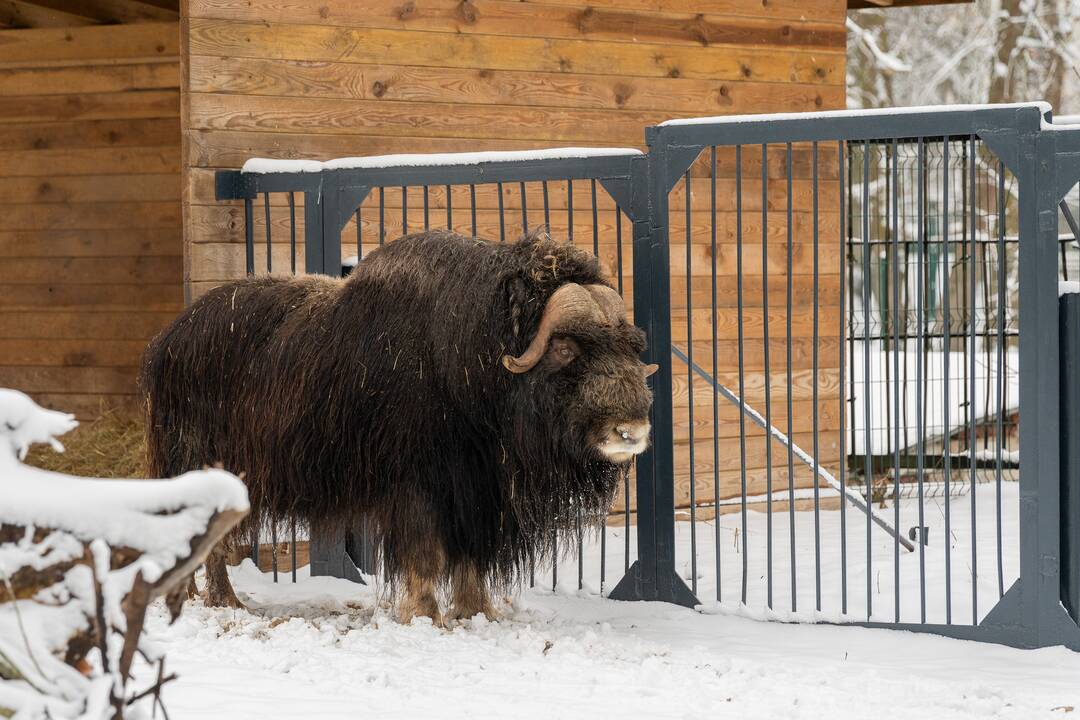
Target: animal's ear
column 517, row 297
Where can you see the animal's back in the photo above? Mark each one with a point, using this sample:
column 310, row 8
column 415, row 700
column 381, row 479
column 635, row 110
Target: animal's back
column 219, row 350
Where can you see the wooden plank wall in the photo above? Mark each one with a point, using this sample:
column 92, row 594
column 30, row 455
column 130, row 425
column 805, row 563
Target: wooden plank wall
column 331, row 78
column 90, row 196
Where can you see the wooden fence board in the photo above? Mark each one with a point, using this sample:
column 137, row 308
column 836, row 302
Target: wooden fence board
column 406, row 47
column 501, row 17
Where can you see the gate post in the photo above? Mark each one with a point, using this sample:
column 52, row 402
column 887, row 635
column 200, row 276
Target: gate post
column 1069, row 321
column 343, row 556
column 653, row 576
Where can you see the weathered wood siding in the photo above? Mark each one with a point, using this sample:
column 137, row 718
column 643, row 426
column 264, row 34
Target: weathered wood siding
column 90, row 242
column 331, row 78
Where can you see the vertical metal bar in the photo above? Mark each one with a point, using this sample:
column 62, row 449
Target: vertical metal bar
column 626, row 475
column 972, row 313
column 382, row 215
column 547, row 206
column 255, row 545
column 603, row 528
column 524, row 210
column 816, row 352
column 292, row 231
column 359, row 236
column 603, row 552
column 596, row 232
column 919, row 343
column 768, row 389
column 868, row 469
column 690, row 381
column 742, row 373
column 449, row 208
column 502, row 213
column 427, row 218
column 715, row 372
column 269, row 247
column 273, row 553
column 293, row 552
column 580, row 554
column 1002, row 300
column 554, row 560
column 570, row 210
column 314, row 237
column 790, row 408
column 946, row 359
column 896, row 315
column 404, row 210
column 249, row 236
column 595, row 222
column 843, row 401
column 472, row 202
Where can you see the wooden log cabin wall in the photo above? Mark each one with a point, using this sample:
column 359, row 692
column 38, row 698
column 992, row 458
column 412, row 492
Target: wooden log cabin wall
column 330, row 78
column 90, row 198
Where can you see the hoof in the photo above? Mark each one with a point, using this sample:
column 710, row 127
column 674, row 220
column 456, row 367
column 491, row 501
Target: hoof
column 437, row 619
column 468, row 613
column 410, row 611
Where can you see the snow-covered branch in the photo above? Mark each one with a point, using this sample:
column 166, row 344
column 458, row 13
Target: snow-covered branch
column 80, row 561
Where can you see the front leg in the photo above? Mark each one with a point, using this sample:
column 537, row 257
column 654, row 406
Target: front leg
column 422, row 564
column 470, row 593
column 419, row 599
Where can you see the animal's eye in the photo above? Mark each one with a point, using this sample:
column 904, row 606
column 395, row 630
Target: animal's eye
column 564, row 351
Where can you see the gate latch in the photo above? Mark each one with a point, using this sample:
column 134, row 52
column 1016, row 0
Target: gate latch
column 920, row 534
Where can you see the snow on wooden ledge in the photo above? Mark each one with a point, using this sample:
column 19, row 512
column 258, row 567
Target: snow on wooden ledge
column 267, row 165
column 873, row 112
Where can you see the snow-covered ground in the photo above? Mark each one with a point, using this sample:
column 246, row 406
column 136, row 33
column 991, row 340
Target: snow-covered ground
column 328, row 648
column 852, row 528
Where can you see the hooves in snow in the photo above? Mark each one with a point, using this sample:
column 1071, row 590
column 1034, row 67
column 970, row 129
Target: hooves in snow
column 407, row 612
column 468, row 613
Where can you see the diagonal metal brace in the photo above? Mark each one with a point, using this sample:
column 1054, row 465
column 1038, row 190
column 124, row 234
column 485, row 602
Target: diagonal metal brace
column 805, row 457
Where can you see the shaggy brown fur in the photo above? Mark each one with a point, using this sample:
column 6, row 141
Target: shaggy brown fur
column 382, row 396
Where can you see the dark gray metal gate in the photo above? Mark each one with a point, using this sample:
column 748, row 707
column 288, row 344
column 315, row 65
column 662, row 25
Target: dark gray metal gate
column 946, row 222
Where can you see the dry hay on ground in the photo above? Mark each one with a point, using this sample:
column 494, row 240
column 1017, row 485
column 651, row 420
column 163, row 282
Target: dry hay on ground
column 110, row 446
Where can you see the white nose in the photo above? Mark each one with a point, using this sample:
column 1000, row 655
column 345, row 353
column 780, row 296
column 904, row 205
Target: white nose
column 625, row 440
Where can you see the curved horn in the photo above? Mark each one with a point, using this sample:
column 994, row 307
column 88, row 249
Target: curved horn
column 570, row 300
column 609, row 301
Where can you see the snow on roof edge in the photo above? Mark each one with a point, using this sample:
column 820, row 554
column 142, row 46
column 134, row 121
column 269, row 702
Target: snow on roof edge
column 1044, row 107
column 268, row 165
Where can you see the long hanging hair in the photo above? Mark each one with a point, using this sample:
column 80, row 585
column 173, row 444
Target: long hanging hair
column 381, row 398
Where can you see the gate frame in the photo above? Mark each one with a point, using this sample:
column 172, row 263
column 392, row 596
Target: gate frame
column 331, row 197
column 1030, row 614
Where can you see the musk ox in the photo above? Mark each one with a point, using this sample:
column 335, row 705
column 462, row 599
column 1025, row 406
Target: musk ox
column 467, row 398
